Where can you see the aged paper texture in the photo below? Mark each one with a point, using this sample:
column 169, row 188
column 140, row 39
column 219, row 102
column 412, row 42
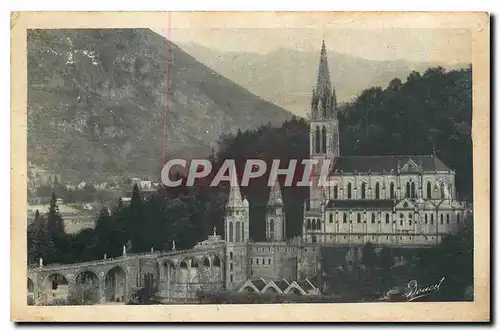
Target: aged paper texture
column 263, row 167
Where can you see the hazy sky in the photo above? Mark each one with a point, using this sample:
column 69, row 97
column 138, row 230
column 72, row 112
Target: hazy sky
column 376, row 37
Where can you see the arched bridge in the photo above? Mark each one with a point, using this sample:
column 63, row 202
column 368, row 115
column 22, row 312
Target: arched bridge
column 173, row 276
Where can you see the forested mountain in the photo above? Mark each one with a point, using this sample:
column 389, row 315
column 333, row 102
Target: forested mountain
column 286, row 76
column 97, row 97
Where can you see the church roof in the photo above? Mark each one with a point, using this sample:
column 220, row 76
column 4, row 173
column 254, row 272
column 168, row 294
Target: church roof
column 323, row 83
column 360, row 203
column 387, row 164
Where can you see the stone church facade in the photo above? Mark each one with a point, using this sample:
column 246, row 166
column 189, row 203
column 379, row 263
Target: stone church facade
column 397, row 201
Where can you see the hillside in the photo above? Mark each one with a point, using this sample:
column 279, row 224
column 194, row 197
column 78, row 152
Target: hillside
column 286, row 77
column 96, row 101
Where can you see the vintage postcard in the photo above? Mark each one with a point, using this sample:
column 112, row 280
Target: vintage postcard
column 185, row 166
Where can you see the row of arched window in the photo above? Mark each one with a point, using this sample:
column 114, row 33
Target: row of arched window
column 315, row 224
column 409, row 193
column 237, row 235
column 320, row 139
column 261, row 261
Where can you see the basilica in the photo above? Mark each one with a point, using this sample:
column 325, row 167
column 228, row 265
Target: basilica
column 401, row 201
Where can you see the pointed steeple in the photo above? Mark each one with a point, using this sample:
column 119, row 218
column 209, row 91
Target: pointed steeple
column 323, row 83
column 275, row 195
column 234, row 199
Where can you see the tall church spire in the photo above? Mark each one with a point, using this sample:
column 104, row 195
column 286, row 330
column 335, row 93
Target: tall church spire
column 323, row 84
column 234, row 199
column 275, row 195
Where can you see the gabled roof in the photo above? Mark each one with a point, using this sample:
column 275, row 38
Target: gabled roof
column 282, row 284
column 259, row 283
column 405, row 204
column 359, row 203
column 387, row 164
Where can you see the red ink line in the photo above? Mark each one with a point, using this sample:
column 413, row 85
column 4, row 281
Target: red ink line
column 169, row 31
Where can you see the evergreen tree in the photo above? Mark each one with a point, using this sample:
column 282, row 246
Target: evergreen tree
column 55, row 221
column 40, row 244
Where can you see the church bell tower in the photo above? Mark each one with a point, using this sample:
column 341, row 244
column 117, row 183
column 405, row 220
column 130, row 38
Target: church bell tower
column 323, row 127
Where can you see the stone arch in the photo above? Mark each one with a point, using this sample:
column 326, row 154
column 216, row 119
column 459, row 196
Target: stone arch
column 363, row 190
column 349, row 190
column 184, row 264
column 216, row 261
column 206, row 261
column 86, row 288
column 170, row 270
column 55, row 287
column 115, row 284
column 248, row 289
column 377, row 190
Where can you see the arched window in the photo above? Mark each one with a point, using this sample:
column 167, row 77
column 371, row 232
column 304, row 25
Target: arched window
column 349, row 191
column 458, row 218
column 359, row 218
column 387, row 218
column 441, row 186
column 426, row 218
column 231, row 232
column 373, row 218
column 344, row 218
column 432, row 219
column 313, row 225
column 238, row 232
column 308, row 225
column 335, row 192
column 242, row 232
column 392, row 190
column 363, row 190
column 442, row 219
column 377, row 191
column 429, row 190
column 271, row 229
column 331, row 218
column 317, row 140
column 408, row 189
column 413, row 191
column 447, row 218
column 323, row 142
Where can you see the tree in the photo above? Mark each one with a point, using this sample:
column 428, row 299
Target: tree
column 40, row 244
column 369, row 258
column 55, row 221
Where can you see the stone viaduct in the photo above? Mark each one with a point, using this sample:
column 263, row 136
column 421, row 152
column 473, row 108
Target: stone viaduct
column 176, row 275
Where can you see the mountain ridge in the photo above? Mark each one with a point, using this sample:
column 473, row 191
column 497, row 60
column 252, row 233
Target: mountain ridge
column 96, row 101
column 280, row 68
